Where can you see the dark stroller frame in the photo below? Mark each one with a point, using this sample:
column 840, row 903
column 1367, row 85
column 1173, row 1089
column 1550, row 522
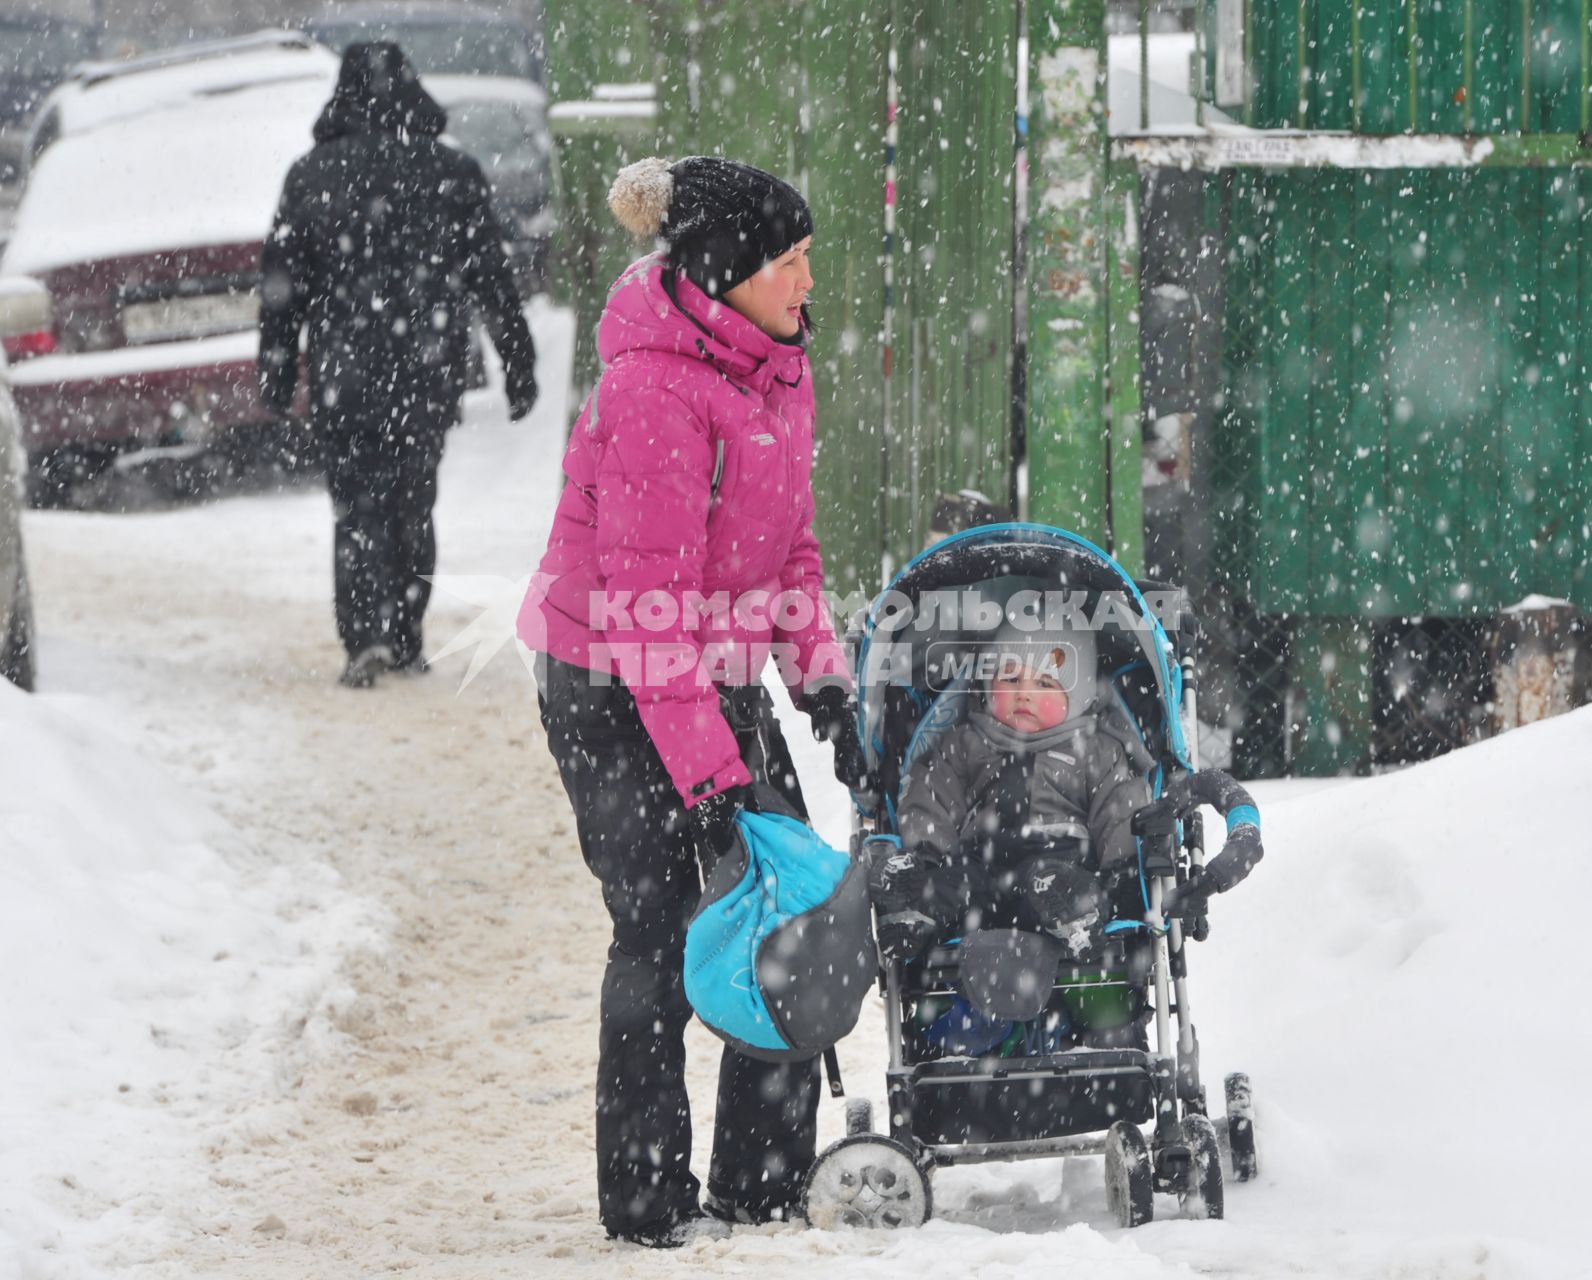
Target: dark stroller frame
column 1097, row 1096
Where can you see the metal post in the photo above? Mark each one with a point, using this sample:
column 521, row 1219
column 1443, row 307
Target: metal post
column 1525, row 66
column 1144, row 64
column 1470, row 65
column 887, row 424
column 1016, row 494
column 1415, row 69
column 1302, row 76
column 1586, row 66
column 1354, row 65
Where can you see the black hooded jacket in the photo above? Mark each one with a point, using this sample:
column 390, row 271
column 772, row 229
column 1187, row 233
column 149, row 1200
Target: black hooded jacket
column 383, row 240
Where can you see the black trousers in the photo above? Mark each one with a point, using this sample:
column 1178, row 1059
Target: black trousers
column 383, row 482
column 635, row 839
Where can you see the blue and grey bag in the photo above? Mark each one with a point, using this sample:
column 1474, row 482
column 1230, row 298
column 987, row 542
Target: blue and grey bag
column 779, row 955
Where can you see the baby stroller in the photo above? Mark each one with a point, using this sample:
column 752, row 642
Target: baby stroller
column 1096, row 1096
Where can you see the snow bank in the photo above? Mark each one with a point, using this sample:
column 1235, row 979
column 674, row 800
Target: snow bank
column 1396, row 978
column 152, row 971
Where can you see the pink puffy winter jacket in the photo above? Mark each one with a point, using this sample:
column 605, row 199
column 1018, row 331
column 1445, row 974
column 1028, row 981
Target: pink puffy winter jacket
column 682, row 551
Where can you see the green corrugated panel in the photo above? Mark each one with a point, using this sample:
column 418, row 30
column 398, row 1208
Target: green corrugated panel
column 1068, row 430
column 1556, row 66
column 1125, row 537
column 1429, row 329
column 1495, row 82
column 1284, row 571
column 1425, row 434
column 844, row 80
column 1560, row 500
column 1479, row 244
column 952, row 392
column 1331, row 88
column 1384, row 67
column 799, row 90
column 1244, row 375
column 1519, row 411
column 1364, row 464
column 1276, row 51
column 1334, row 518
column 1442, row 64
column 1424, row 66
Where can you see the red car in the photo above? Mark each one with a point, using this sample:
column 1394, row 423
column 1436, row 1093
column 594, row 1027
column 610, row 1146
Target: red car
column 145, row 228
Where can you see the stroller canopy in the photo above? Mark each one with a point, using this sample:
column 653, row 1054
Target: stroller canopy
column 949, row 601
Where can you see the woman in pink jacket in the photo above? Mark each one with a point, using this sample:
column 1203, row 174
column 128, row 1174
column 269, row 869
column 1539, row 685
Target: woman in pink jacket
column 682, row 557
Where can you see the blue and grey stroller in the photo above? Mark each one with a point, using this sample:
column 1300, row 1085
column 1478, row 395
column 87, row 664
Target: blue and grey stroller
column 1107, row 1090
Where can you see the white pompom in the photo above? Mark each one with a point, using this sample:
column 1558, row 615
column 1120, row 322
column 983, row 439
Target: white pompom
column 641, row 194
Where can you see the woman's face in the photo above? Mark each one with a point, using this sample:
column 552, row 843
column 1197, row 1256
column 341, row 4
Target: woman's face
column 772, row 299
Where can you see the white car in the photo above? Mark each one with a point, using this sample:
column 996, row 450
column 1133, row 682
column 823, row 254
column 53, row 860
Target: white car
column 22, row 303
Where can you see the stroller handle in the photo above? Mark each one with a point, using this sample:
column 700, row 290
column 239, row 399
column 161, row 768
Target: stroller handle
column 1243, row 848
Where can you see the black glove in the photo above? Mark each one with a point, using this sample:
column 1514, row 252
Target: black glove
column 898, row 885
column 833, row 712
column 713, row 823
column 1067, row 900
column 906, row 935
column 1192, row 898
column 522, row 397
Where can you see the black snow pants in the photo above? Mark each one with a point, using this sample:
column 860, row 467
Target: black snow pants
column 383, row 482
column 635, row 838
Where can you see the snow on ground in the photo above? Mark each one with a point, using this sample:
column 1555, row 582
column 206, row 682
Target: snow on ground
column 1394, row 977
column 154, row 962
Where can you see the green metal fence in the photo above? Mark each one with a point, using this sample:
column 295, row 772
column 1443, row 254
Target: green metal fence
column 925, row 400
column 1402, row 443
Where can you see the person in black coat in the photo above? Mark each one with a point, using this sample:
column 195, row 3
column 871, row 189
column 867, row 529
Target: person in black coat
column 383, row 243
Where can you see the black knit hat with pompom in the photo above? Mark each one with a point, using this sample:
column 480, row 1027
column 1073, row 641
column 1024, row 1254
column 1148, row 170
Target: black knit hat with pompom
column 722, row 220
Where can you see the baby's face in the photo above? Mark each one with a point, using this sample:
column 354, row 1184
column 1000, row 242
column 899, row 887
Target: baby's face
column 1026, row 701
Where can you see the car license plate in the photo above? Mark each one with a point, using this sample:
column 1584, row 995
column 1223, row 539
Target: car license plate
column 168, row 319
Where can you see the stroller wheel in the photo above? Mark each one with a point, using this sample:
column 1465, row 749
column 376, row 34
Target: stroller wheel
column 1130, row 1179
column 866, row 1181
column 1241, row 1127
column 1203, row 1197
column 859, row 1116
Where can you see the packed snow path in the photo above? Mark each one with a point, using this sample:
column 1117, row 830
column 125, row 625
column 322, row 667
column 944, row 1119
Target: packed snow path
column 435, row 1117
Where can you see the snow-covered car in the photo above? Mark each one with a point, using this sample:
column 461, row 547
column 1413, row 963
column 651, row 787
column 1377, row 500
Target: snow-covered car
column 23, row 305
column 451, row 39
column 502, row 122
column 96, row 93
column 144, row 219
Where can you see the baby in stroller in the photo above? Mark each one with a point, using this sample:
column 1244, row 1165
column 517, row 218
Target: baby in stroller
column 1019, row 817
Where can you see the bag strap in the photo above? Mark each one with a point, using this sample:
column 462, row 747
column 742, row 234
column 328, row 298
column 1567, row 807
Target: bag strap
column 832, row 1070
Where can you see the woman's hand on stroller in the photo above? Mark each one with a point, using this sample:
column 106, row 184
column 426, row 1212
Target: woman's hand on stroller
column 833, row 712
column 713, row 823
column 898, row 885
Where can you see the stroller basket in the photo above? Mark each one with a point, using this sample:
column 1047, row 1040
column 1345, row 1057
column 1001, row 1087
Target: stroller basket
column 972, row 1102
